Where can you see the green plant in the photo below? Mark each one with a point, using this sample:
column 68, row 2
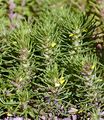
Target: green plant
column 48, row 65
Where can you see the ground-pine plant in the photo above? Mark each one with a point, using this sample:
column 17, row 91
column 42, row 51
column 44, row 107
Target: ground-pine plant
column 51, row 67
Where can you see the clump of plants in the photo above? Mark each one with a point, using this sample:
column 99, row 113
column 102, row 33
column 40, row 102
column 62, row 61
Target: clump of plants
column 51, row 66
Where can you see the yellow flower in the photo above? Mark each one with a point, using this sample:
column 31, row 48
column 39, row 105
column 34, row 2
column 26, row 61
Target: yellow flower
column 61, row 80
column 53, row 44
column 93, row 66
column 9, row 115
column 80, row 111
column 71, row 35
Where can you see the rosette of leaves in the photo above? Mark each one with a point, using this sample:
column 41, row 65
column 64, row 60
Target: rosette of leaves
column 53, row 94
column 93, row 86
column 85, row 84
column 50, row 81
column 77, row 31
column 17, row 71
column 47, row 38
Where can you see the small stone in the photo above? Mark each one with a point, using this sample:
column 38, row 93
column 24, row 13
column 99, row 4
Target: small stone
column 43, row 117
column 67, row 118
column 72, row 111
column 14, row 118
column 102, row 113
column 101, row 119
column 50, row 115
column 74, row 117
